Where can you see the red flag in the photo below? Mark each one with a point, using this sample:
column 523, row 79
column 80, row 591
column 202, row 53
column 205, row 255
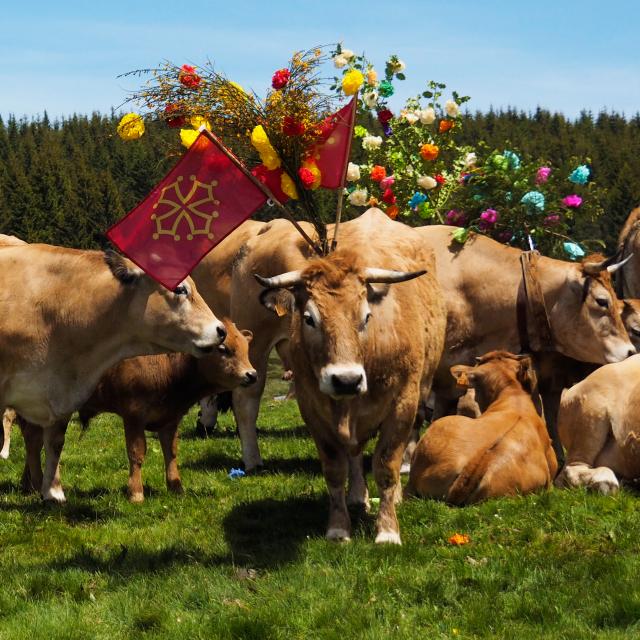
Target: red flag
column 332, row 155
column 200, row 201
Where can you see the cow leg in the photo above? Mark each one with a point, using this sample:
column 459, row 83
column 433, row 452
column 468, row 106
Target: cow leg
column 358, row 494
column 168, row 436
column 33, row 442
column 53, row 444
column 8, row 418
column 551, row 404
column 601, row 479
column 136, row 450
column 208, row 417
column 335, row 465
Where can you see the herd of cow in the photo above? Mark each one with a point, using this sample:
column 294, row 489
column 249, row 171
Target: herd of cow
column 396, row 323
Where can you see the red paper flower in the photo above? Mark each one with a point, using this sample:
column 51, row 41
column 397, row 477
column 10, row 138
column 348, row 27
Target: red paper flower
column 378, row 173
column 177, row 121
column 280, row 79
column 292, row 127
column 306, row 177
column 188, row 76
column 384, row 115
column 439, row 178
column 388, row 196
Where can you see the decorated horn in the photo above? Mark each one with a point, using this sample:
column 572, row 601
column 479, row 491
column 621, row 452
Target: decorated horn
column 612, row 268
column 387, row 276
column 283, row 281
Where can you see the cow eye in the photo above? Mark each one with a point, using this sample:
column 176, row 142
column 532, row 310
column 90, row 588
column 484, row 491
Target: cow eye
column 603, row 302
column 367, row 318
column 308, row 319
column 635, row 331
column 224, row 350
column 181, row 290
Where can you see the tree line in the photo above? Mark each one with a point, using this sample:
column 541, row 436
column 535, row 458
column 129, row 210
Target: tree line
column 65, row 182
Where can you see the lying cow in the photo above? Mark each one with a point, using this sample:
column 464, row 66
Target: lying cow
column 154, row 393
column 363, row 355
column 505, row 451
column 68, row 315
column 599, row 425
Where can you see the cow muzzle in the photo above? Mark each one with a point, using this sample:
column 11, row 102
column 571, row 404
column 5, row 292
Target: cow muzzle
column 343, row 380
column 212, row 335
column 619, row 350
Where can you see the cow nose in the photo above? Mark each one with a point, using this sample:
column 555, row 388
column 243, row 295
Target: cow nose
column 251, row 376
column 631, row 352
column 222, row 332
column 346, row 384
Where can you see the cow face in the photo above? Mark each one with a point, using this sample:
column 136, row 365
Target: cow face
column 630, row 310
column 228, row 366
column 333, row 303
column 177, row 320
column 586, row 318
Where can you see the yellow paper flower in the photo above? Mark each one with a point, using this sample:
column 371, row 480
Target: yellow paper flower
column 288, row 187
column 197, row 121
column 237, row 86
column 352, row 81
column 188, row 136
column 261, row 144
column 131, row 126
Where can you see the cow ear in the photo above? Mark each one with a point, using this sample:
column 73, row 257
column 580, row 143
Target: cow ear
column 463, row 376
column 376, row 293
column 247, row 334
column 527, row 375
column 123, row 270
column 280, row 301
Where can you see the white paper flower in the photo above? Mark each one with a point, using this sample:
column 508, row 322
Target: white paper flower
column 427, row 116
column 470, row 160
column 347, row 54
column 427, row 182
column 353, row 172
column 410, row 116
column 370, row 99
column 451, row 108
column 371, row 142
column 399, row 66
column 359, row 197
column 340, row 61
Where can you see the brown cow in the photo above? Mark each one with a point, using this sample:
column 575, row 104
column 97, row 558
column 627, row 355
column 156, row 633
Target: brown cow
column 628, row 277
column 363, row 355
column 154, row 393
column 506, row 450
column 68, row 315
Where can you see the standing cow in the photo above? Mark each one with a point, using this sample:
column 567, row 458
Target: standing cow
column 68, row 315
column 628, row 277
column 364, row 350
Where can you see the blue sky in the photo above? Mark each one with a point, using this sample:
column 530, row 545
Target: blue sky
column 564, row 55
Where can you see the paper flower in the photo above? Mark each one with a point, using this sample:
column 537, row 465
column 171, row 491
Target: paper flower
column 439, row 178
column 358, row 198
column 387, row 182
column 386, row 89
column 533, row 200
column 410, row 116
column 172, row 115
column 500, row 162
column 198, row 121
column 306, row 177
column 188, row 137
column 429, row 151
column 347, row 53
column 580, row 175
column 427, row 182
column 280, row 79
column 353, row 172
column 387, row 130
column 452, row 109
column 261, row 144
column 352, row 81
column 542, row 175
column 445, row 125
column 427, row 116
column 460, row 235
column 372, row 77
column 388, row 196
column 234, row 474
column 470, row 160
column 573, row 201
column 513, row 159
column 392, row 211
column 459, row 539
column 340, row 61
column 397, row 65
column 188, row 77
column 288, row 186
column 456, row 218
column 371, row 142
column 384, row 115
column 292, row 127
column 131, row 126
column 416, row 199
column 370, row 99
column 488, row 218
column 573, row 250
column 551, row 220
column 378, row 173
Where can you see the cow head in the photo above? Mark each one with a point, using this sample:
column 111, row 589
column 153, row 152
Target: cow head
column 177, row 320
column 228, row 366
column 494, row 372
column 332, row 303
column 586, row 317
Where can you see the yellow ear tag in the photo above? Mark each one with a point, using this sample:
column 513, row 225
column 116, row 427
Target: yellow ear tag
column 280, row 310
column 462, row 380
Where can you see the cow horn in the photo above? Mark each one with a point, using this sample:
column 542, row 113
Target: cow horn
column 387, row 276
column 612, row 268
column 283, row 281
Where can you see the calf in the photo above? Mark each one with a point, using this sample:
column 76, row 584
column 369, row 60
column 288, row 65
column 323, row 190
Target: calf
column 154, row 393
column 503, row 452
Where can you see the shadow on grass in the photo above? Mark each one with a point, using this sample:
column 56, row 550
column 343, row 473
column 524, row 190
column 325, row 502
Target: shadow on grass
column 217, row 462
column 217, row 433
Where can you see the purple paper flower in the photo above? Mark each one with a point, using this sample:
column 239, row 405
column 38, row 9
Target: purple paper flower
column 489, row 217
column 505, row 236
column 456, row 218
column 551, row 220
column 542, row 174
column 573, row 201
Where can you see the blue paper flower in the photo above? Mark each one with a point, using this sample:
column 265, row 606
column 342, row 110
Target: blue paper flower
column 580, row 175
column 513, row 159
column 533, row 200
column 236, row 473
column 573, row 250
column 416, row 199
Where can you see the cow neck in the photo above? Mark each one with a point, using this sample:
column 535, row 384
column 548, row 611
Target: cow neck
column 623, row 290
column 534, row 325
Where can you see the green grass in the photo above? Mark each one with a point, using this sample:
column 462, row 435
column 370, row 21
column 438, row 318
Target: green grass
column 247, row 559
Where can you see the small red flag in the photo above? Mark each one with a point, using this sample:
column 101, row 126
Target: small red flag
column 332, row 155
column 199, row 202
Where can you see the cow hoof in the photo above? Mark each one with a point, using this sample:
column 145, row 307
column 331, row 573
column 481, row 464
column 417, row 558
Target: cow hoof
column 604, row 481
column 405, row 469
column 388, row 537
column 175, row 487
column 136, row 498
column 255, row 470
column 338, row 535
column 55, row 495
column 4, row 454
column 202, row 431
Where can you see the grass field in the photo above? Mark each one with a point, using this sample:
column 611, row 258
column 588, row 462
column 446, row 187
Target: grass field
column 246, row 558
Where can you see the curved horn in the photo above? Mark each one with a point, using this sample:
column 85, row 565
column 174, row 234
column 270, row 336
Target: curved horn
column 283, row 281
column 594, row 268
column 387, row 276
column 612, row 268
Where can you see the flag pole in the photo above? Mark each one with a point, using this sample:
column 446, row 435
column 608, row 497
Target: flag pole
column 334, row 242
column 263, row 187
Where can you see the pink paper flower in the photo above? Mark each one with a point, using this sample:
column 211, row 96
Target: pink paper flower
column 573, row 201
column 386, row 183
column 551, row 220
column 543, row 174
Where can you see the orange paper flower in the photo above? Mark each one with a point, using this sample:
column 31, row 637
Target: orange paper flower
column 445, row 125
column 459, row 539
column 392, row 211
column 378, row 173
column 429, row 151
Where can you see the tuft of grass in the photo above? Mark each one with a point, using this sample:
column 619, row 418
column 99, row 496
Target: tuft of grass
column 247, row 558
